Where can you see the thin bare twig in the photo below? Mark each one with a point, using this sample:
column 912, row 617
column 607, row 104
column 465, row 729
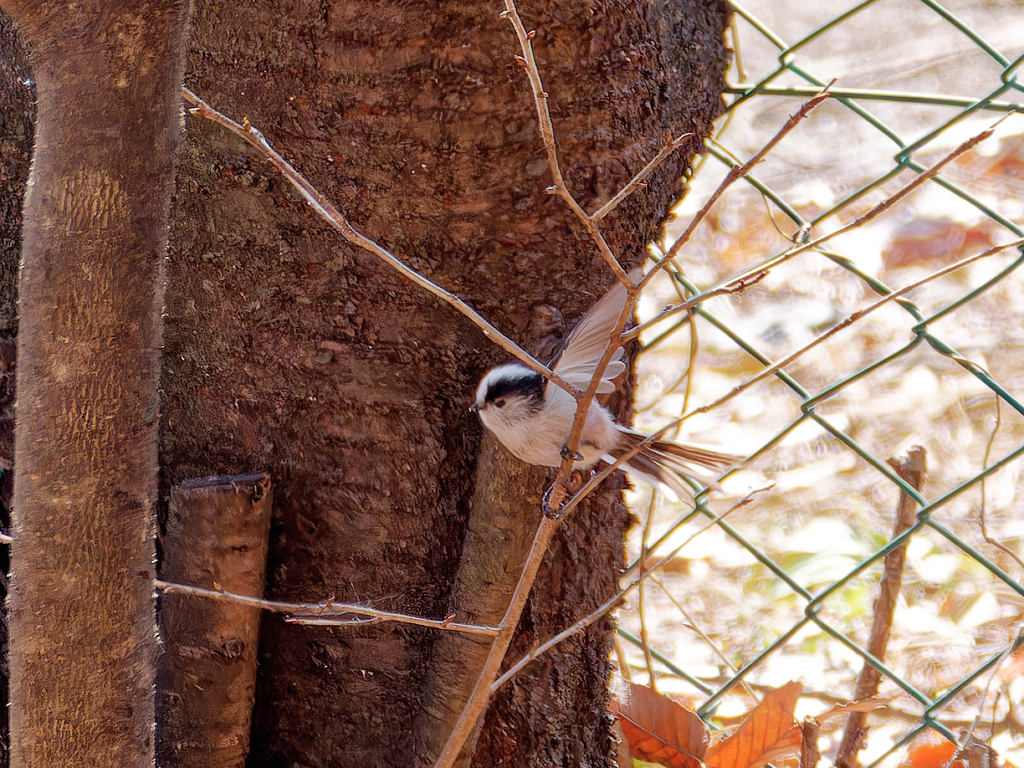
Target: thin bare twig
column 319, row 613
column 609, row 604
column 547, row 133
column 620, row 657
column 686, row 375
column 771, row 370
column 981, row 510
column 1011, row 647
column 637, row 182
column 732, row 286
column 759, row 271
column 326, row 210
column 480, row 696
column 912, row 469
column 558, row 489
column 736, row 172
column 640, row 592
column 695, row 627
column 890, row 201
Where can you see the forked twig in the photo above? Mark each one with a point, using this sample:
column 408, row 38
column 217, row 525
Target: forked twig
column 547, row 133
column 332, row 216
column 609, row 604
column 478, row 701
column 480, row 696
column 319, row 613
column 590, row 223
column 736, row 172
column 771, row 370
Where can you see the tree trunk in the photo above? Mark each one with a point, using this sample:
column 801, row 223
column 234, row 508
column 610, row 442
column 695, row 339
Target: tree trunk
column 288, row 351
column 17, row 118
column 82, row 640
column 292, row 352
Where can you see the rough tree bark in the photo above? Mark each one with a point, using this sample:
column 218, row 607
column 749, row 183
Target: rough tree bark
column 215, row 533
column 17, row 117
column 82, row 641
column 288, row 351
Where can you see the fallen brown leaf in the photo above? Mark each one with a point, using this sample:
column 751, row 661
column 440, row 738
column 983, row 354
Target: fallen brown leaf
column 658, row 729
column 768, row 734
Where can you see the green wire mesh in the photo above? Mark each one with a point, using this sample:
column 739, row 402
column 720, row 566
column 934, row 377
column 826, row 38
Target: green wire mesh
column 944, row 517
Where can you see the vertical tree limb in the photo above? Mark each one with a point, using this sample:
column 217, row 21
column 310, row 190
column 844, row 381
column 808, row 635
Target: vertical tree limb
column 912, row 468
column 83, row 643
column 218, row 532
column 496, row 546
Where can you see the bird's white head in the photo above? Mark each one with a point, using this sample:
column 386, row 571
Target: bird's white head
column 507, row 395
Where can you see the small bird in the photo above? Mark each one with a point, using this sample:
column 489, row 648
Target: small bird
column 532, row 417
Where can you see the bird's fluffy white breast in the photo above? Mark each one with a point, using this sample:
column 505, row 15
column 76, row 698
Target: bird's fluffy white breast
column 539, row 435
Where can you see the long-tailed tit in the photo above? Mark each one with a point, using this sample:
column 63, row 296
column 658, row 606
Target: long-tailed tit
column 532, row 417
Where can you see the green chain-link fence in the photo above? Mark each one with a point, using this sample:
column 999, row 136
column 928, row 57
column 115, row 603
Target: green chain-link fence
column 942, row 367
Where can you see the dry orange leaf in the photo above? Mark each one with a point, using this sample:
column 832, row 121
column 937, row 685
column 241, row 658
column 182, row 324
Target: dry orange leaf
column 658, row 729
column 769, row 733
column 933, row 754
column 934, row 751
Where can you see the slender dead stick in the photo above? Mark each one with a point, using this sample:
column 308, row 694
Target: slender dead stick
column 759, row 271
column 479, row 698
column 326, row 210
column 875, row 212
column 547, row 133
column 735, row 173
column 641, row 596
column 558, row 491
column 637, row 182
column 609, row 604
column 981, row 508
column 318, row 613
column 912, row 469
column 772, row 369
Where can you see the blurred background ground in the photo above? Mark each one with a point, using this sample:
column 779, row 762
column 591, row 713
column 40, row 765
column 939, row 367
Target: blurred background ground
column 829, row 508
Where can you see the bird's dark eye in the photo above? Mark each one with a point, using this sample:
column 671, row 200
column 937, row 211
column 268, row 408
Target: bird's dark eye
column 500, row 403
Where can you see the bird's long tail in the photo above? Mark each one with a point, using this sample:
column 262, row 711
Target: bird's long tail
column 665, row 463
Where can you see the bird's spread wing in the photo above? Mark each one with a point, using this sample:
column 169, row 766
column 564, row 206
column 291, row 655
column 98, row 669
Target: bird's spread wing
column 577, row 360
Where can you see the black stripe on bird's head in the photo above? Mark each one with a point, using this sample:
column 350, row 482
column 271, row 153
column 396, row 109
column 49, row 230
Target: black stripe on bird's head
column 510, row 383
